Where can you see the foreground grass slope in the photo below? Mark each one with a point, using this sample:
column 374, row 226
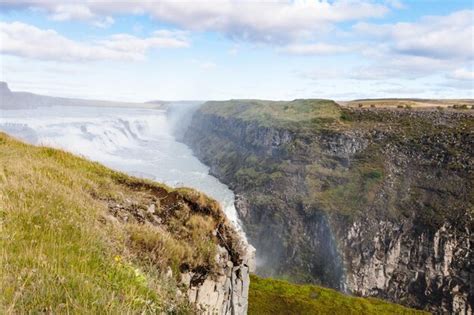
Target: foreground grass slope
column 269, row 296
column 74, row 239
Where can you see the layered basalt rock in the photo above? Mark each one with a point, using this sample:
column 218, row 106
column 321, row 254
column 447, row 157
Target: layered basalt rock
column 227, row 293
column 221, row 287
column 378, row 203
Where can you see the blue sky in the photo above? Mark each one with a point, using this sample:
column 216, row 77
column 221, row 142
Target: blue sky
column 145, row 50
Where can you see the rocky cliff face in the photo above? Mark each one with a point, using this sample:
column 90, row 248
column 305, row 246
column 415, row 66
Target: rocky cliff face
column 421, row 270
column 228, row 292
column 377, row 203
column 220, row 286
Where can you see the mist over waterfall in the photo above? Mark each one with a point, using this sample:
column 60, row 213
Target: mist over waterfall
column 139, row 141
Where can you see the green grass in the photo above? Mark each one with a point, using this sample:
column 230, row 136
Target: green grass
column 270, row 296
column 297, row 113
column 62, row 251
column 348, row 192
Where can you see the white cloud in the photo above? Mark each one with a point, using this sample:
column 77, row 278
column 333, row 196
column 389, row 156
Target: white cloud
column 407, row 91
column 105, row 22
column 431, row 46
column 126, row 43
column 461, row 74
column 437, row 37
column 64, row 12
column 271, row 21
column 208, row 65
column 28, row 41
column 430, row 49
column 323, row 74
column 234, row 50
column 457, row 85
column 315, row 49
column 204, row 64
column 397, row 4
column 399, row 66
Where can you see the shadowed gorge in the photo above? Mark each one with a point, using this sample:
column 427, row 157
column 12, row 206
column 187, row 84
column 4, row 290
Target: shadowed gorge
column 373, row 201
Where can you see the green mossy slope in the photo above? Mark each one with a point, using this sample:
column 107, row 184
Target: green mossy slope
column 269, row 296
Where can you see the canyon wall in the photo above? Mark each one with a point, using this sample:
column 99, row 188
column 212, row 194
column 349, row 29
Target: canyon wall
column 370, row 201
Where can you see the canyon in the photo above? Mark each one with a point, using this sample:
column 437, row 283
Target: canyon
column 370, row 202
column 373, row 202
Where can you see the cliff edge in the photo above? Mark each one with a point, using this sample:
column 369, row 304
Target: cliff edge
column 375, row 202
column 78, row 237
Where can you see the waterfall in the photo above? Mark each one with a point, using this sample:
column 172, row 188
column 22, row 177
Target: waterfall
column 141, row 142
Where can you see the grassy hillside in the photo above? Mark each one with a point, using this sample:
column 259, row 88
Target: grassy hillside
column 269, row 296
column 294, row 114
column 76, row 237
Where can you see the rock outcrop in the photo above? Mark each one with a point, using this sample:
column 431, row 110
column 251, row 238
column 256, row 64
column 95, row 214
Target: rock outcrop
column 220, row 287
column 94, row 240
column 433, row 269
column 376, row 203
column 227, row 293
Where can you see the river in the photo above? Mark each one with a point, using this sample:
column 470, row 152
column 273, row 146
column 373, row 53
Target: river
column 137, row 141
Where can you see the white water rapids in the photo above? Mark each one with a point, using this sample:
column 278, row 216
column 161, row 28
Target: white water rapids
column 137, row 141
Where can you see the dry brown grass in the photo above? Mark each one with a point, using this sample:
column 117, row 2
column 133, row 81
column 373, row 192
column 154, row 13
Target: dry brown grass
column 76, row 237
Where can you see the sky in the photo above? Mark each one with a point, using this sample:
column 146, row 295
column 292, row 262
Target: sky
column 223, row 49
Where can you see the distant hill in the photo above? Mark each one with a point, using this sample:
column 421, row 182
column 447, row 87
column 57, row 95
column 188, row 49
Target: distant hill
column 24, row 100
column 409, row 102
